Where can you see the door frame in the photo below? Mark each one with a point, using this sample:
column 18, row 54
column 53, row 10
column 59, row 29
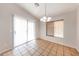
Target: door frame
column 13, row 32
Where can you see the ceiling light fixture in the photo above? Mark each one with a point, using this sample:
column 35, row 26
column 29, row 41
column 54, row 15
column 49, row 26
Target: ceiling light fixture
column 45, row 18
column 36, row 4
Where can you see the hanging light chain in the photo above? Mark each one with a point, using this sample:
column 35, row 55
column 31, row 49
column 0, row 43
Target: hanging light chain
column 45, row 18
column 45, row 8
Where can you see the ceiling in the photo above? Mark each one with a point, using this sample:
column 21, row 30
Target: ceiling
column 51, row 10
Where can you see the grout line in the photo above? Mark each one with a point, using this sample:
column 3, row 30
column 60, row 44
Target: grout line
column 56, row 49
column 63, row 50
column 28, row 51
column 19, row 52
column 50, row 49
column 37, row 50
column 44, row 49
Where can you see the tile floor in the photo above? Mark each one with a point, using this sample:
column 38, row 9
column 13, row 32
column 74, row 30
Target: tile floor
column 41, row 48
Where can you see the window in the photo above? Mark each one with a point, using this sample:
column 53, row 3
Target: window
column 58, row 29
column 50, row 28
column 55, row 28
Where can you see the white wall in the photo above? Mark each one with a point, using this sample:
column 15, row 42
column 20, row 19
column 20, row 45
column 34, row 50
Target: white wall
column 69, row 29
column 6, row 17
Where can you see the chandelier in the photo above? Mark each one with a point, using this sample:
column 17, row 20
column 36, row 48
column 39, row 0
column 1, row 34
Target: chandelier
column 46, row 18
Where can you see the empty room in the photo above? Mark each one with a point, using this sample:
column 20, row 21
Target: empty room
column 39, row 29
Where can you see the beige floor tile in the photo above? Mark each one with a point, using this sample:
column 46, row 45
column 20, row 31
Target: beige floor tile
column 26, row 54
column 32, row 51
column 52, row 53
column 42, row 48
column 36, row 54
column 12, row 53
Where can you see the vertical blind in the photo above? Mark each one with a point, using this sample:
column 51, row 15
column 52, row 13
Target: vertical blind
column 59, row 29
column 55, row 28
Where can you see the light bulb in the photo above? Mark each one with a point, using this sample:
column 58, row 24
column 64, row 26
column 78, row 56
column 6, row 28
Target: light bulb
column 41, row 19
column 49, row 18
column 44, row 17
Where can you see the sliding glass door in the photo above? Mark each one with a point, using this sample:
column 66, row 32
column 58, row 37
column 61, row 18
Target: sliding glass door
column 20, row 31
column 24, row 30
column 31, row 30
